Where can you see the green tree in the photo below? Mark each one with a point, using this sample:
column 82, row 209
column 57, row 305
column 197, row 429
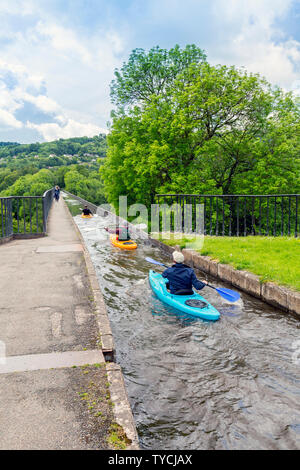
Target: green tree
column 81, row 182
column 152, row 73
column 215, row 130
column 31, row 185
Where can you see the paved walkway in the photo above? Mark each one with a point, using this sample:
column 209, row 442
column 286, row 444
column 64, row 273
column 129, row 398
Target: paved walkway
column 49, row 399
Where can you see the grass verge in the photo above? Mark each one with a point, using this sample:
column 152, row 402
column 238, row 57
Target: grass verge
column 274, row 259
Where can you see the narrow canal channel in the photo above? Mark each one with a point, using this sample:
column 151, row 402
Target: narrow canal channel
column 232, row 384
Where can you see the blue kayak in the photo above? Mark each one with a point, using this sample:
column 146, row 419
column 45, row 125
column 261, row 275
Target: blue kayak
column 194, row 305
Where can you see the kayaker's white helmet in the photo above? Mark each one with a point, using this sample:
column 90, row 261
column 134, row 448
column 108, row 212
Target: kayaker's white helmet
column 178, row 257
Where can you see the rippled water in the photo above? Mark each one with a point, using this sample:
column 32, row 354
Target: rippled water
column 192, row 384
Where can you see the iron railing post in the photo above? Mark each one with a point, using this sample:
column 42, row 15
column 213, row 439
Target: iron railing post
column 10, row 216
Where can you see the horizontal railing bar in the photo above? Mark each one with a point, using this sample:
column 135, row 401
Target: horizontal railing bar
column 45, row 193
column 22, row 197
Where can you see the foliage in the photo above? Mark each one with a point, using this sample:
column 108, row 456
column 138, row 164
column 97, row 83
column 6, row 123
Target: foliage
column 151, row 74
column 275, row 259
column 60, row 152
column 87, row 185
column 272, row 258
column 207, row 130
column 31, row 185
column 32, row 169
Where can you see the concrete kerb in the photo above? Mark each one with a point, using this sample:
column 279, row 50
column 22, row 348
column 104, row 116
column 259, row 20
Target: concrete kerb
column 121, row 409
column 188, row 257
column 90, row 205
column 201, row 262
column 213, row 268
column 274, row 295
column 271, row 293
column 167, row 250
column 239, row 279
column 100, row 307
column 293, row 301
column 253, row 285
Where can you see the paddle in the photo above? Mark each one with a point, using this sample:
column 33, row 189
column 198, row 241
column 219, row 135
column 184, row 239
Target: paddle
column 227, row 294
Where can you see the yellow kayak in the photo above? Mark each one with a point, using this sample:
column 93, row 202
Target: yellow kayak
column 86, row 216
column 124, row 245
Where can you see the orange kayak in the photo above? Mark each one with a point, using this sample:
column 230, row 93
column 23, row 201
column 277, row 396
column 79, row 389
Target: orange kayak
column 124, row 245
column 86, row 216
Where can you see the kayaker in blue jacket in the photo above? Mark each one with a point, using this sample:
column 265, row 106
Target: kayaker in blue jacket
column 182, row 278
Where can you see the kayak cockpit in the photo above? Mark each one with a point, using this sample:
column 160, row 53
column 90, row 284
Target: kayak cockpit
column 192, row 304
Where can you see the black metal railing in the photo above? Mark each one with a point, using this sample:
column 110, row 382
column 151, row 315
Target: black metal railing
column 24, row 215
column 231, row 215
column 6, row 226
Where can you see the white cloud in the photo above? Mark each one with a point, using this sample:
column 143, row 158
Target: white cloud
column 12, row 7
column 25, row 88
column 7, row 100
column 42, row 102
column 76, row 66
column 12, row 100
column 252, row 39
column 64, row 40
column 63, row 63
column 296, row 88
column 261, row 11
column 7, row 119
column 53, row 131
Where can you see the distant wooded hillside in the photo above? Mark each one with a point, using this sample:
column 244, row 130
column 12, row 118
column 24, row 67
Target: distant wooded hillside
column 31, row 169
column 50, row 154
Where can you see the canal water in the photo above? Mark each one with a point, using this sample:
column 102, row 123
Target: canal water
column 232, row 384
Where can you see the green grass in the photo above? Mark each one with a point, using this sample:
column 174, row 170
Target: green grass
column 274, row 259
column 117, row 437
column 186, row 241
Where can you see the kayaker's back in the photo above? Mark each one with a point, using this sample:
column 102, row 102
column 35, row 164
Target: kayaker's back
column 182, row 277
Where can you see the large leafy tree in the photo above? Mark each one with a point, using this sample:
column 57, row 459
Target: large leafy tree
column 81, row 182
column 213, row 130
column 151, row 74
column 217, row 113
column 276, row 162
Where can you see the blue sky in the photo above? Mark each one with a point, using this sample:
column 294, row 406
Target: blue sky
column 58, row 56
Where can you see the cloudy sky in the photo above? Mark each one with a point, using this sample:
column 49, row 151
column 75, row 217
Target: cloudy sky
column 58, row 56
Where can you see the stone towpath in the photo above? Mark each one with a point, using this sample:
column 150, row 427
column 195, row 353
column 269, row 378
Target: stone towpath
column 54, row 391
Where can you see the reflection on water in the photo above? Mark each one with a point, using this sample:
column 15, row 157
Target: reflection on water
column 192, row 384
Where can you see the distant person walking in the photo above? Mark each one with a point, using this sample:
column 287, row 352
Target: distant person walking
column 57, row 193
